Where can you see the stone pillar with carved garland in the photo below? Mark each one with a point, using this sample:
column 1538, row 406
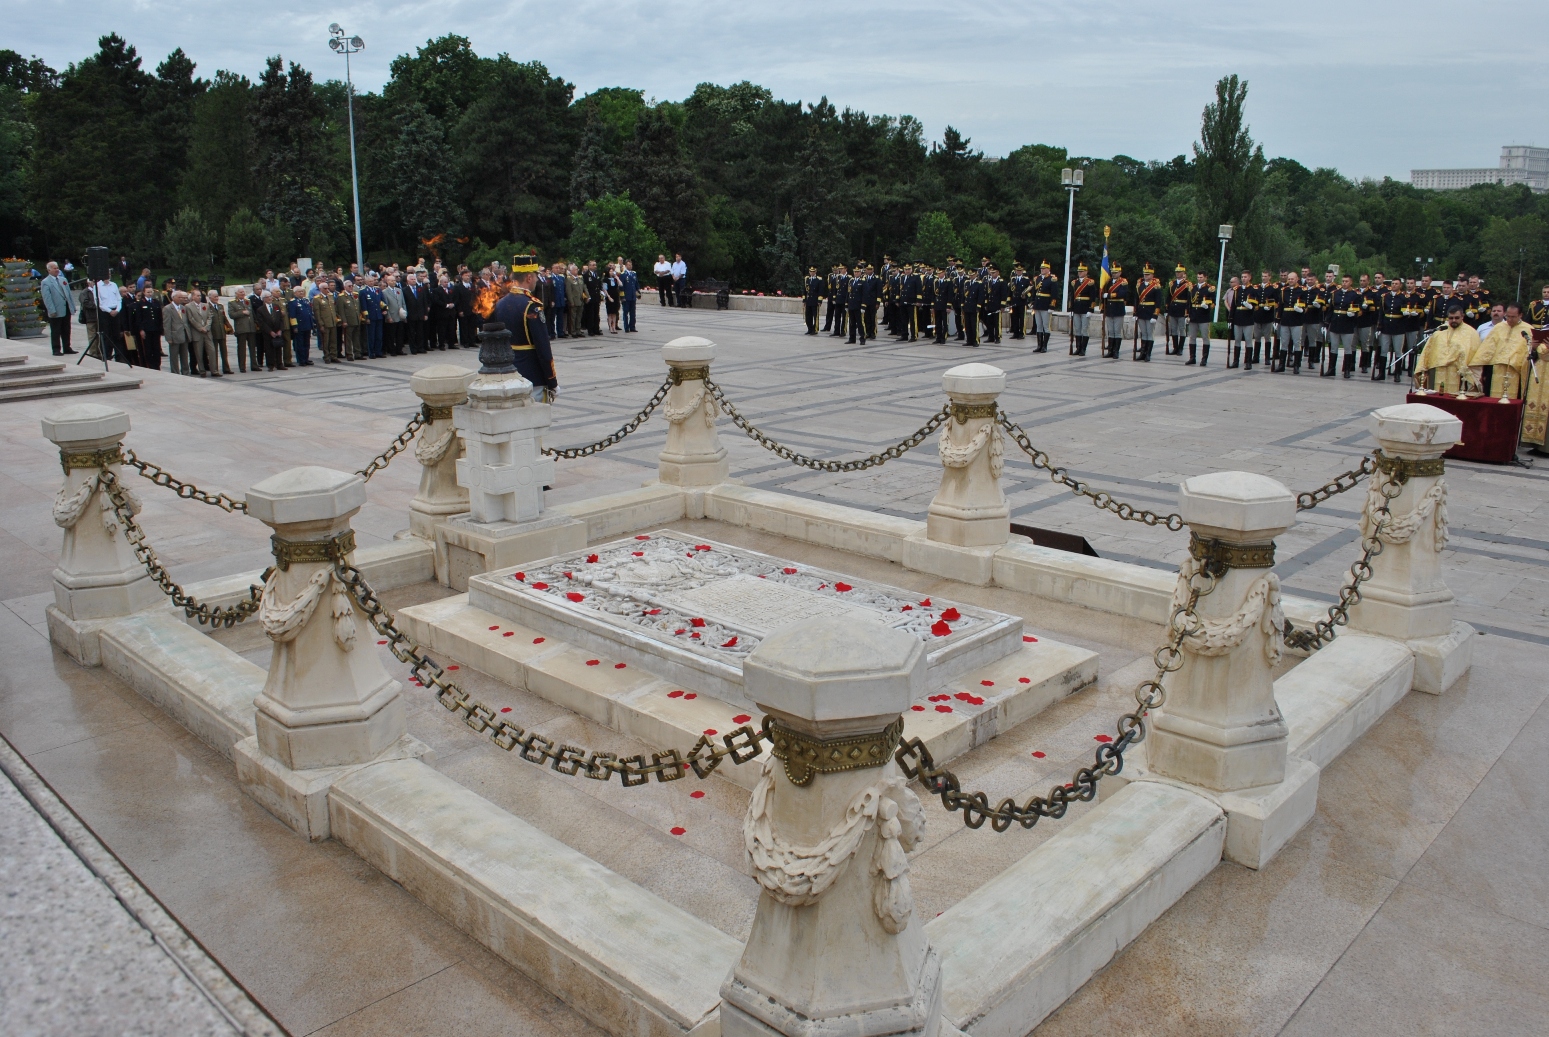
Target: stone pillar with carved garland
column 437, row 448
column 969, row 509
column 328, row 705
column 836, row 945
column 1406, row 598
column 98, row 576
column 693, row 454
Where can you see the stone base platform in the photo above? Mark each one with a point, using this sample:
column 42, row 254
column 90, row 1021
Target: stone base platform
column 951, row 719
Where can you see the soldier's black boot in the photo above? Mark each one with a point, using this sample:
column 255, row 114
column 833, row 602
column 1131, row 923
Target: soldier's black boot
column 1114, row 345
column 1233, row 356
column 1349, row 370
column 1296, row 361
column 1145, row 353
column 1328, row 368
column 1043, row 342
column 1193, row 353
column 1379, row 372
column 1249, row 356
column 1366, row 360
column 1081, row 341
column 1204, row 354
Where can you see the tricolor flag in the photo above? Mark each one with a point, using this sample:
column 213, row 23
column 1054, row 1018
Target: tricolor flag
column 1107, row 270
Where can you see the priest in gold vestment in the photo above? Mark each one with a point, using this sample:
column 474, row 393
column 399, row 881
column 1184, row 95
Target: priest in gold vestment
column 1535, row 417
column 1443, row 364
column 1500, row 361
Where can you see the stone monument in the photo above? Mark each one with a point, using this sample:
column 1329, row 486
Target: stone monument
column 438, row 449
column 693, row 454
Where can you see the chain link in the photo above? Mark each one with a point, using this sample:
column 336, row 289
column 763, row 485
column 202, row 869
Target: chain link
column 1324, row 630
column 573, row 452
column 1099, row 498
column 397, row 446
column 188, row 491
column 741, row 745
column 915, row 760
column 1342, row 482
column 892, row 453
column 214, row 615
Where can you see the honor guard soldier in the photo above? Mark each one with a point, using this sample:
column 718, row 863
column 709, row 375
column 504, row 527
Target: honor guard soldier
column 1021, row 287
column 828, row 311
column 1481, row 296
column 1289, row 304
column 839, row 298
column 1366, row 324
column 1084, row 302
column 523, row 316
column 1267, row 298
column 1045, row 287
column 1344, row 317
column 1116, row 302
column 1202, row 304
column 813, row 298
column 944, row 289
column 873, row 297
column 909, row 302
column 858, row 295
column 1244, row 312
column 1392, row 323
column 1314, row 305
column 1538, row 310
column 997, row 293
column 973, row 303
column 1149, row 305
column 1178, row 294
column 1436, row 310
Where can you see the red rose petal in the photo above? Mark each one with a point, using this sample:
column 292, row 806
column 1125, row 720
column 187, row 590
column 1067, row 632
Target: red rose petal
column 696, row 622
column 509, row 633
column 789, row 571
column 591, row 559
column 540, row 586
column 701, row 547
column 976, row 701
column 988, row 684
column 1024, row 680
column 454, row 667
column 691, row 695
column 505, row 709
column 569, row 577
column 709, row 730
column 593, row 662
column 573, row 596
column 940, row 629
column 918, row 709
column 675, row 694
column 842, row 587
column 638, row 554
column 822, row 586
column 496, row 627
column 697, row 794
column 519, row 576
column 384, row 642
column 642, row 537
column 688, row 554
column 653, row 612
column 951, row 615
column 907, row 608
column 963, row 696
column 730, row 644
column 694, row 634
column 943, row 709
column 1103, row 738
column 678, row 831
column 925, row 604
column 680, row 631
column 1038, row 754
column 761, row 576
column 741, row 718
column 1029, row 640
column 618, row 666
column 538, row 640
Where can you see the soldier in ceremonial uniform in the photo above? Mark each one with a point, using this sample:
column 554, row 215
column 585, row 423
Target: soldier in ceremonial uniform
column 1044, row 288
column 1290, row 304
column 1392, row 326
column 973, row 295
column 1344, row 316
column 1482, row 298
column 1538, row 310
column 523, row 317
column 944, row 290
column 1116, row 302
column 1244, row 312
column 1083, row 302
column 1202, row 302
column 1149, row 305
column 859, row 296
column 1366, row 323
column 959, row 293
column 996, row 294
column 873, row 298
column 839, row 300
column 812, row 298
column 1267, row 298
column 910, row 293
column 828, row 311
column 1178, row 310
column 1021, row 286
column 1436, row 310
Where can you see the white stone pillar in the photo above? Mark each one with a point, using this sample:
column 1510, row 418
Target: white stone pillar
column 98, row 576
column 505, row 470
column 693, row 454
column 969, row 509
column 437, row 448
column 1406, row 598
column 328, row 703
column 836, row 946
column 1220, row 731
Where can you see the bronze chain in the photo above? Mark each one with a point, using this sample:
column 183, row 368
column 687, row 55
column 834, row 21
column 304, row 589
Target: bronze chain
column 398, row 445
column 741, row 745
column 214, row 615
column 892, row 453
column 571, row 453
column 1342, row 482
column 188, row 491
column 915, row 760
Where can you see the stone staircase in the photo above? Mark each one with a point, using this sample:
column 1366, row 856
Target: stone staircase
column 24, row 377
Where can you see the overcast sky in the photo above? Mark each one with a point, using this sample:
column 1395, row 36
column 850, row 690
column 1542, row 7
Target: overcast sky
column 1371, row 89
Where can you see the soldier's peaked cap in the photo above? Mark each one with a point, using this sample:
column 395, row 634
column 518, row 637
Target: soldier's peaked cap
column 524, row 263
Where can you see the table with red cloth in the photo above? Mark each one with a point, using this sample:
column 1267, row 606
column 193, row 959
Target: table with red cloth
column 1490, row 427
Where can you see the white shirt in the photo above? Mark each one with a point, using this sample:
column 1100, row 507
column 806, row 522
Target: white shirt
column 680, row 269
column 1484, row 329
column 663, row 267
column 109, row 299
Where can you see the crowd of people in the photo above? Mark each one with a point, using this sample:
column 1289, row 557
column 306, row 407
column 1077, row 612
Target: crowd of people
column 339, row 315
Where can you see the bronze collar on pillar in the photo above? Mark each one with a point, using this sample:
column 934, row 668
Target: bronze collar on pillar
column 963, row 411
column 1402, row 469
column 334, row 549
column 805, row 756
column 90, row 458
column 432, row 412
column 679, row 375
column 1218, row 556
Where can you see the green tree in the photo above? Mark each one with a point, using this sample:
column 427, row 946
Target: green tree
column 1228, row 165
column 218, row 176
column 246, row 242
column 286, row 116
column 781, row 260
column 189, row 243
column 422, row 179
column 981, row 239
column 445, row 76
column 594, row 172
column 935, row 240
column 1515, row 252
column 610, row 226
column 661, row 178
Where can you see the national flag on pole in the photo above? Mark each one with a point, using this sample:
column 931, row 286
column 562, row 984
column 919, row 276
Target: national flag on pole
column 1107, row 270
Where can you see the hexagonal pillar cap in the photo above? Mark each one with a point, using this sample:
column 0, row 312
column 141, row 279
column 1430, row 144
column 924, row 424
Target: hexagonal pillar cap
column 442, row 383
column 310, row 494
column 974, row 380
column 84, row 423
column 1240, row 505
column 1415, row 430
column 836, row 668
column 690, row 349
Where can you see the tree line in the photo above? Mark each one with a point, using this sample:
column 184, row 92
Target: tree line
column 473, row 157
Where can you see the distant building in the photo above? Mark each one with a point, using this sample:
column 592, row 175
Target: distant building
column 1519, row 165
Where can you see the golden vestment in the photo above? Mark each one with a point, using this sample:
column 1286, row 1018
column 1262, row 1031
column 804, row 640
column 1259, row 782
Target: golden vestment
column 1505, row 349
column 1445, row 358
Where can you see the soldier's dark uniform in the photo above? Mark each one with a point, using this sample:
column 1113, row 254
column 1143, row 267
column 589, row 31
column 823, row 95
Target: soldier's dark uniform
column 1150, row 303
column 1290, row 304
column 523, row 316
column 996, row 294
column 861, row 294
column 839, row 298
column 1021, row 285
column 1314, row 303
column 1202, row 304
column 1244, row 312
column 1345, row 306
column 1366, row 323
column 1045, row 287
column 828, row 311
column 909, row 304
column 1178, row 294
column 945, row 297
column 1083, row 302
column 973, row 301
column 1392, row 325
column 1268, row 298
column 812, row 299
column 1115, row 301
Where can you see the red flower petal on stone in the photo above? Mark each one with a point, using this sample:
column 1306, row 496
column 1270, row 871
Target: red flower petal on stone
column 1029, row 640
column 593, row 662
column 697, row 794
column 741, row 718
column 675, row 694
column 495, row 627
column 789, row 571
column 696, row 622
column 918, row 709
column 701, row 547
column 822, row 586
column 509, row 633
column 1103, row 738
column 642, row 537
column 573, row 596
column 925, row 604
column 653, row 612
column 907, row 608
column 569, row 577
column 454, row 667
column 618, row 666
column 988, row 684
column 709, row 730
column 951, row 615
column 730, row 644
column 976, row 701
column 680, row 631
column 691, row 695
column 675, row 830
column 694, row 634
column 688, row 554
column 591, row 559
column 638, row 554
column 384, row 642
column 1024, row 680
column 519, row 576
column 1039, row 754
column 537, row 640
column 943, row 709
column 540, row 586
column 842, row 587
column 761, row 576
column 505, row 709
column 963, row 696
column 940, row 629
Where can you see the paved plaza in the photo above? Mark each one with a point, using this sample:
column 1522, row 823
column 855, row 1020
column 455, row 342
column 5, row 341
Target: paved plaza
column 1415, row 902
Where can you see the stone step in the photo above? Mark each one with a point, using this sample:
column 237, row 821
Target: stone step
column 65, row 384
column 950, row 720
column 12, row 359
column 28, row 367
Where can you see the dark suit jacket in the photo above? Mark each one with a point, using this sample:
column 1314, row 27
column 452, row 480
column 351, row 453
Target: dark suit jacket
column 416, row 301
column 266, row 318
column 462, row 296
column 443, row 307
column 593, row 281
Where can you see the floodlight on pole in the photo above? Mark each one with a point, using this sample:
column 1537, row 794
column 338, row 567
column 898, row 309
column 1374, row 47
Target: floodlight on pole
column 1224, row 232
column 340, row 43
column 1072, row 180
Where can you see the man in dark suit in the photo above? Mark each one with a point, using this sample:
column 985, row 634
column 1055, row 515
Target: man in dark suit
column 444, row 309
column 593, row 282
column 269, row 322
column 467, row 319
column 631, row 293
column 416, row 302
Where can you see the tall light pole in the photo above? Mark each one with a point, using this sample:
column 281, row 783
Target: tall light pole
column 1224, row 232
column 1071, row 180
column 347, row 45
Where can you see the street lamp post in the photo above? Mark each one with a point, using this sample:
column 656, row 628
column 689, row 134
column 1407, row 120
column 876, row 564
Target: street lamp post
column 1224, row 232
column 347, row 45
column 1071, row 180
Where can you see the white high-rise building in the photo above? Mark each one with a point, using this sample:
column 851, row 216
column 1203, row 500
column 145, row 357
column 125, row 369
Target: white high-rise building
column 1520, row 164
